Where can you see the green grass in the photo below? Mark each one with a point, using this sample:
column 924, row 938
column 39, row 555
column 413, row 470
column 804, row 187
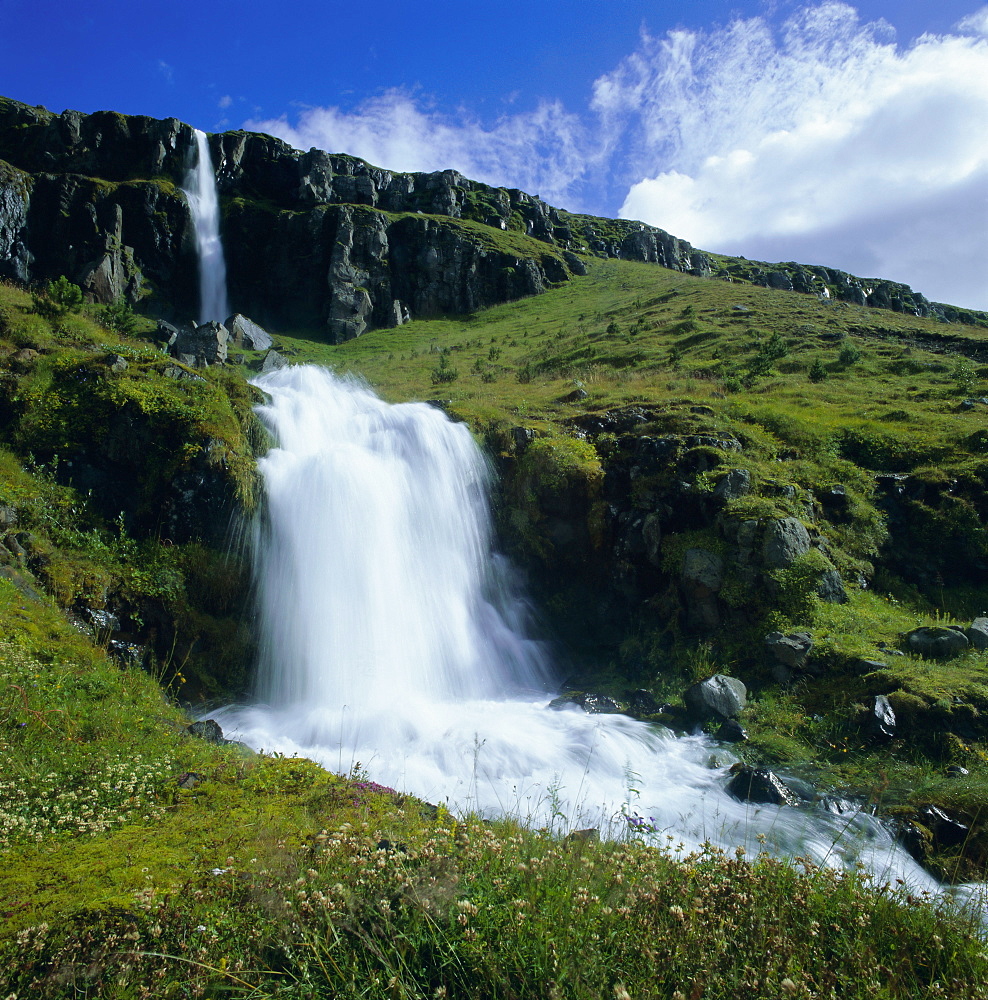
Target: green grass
column 272, row 877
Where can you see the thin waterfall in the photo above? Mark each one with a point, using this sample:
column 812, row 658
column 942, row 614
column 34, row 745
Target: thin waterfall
column 200, row 189
column 395, row 640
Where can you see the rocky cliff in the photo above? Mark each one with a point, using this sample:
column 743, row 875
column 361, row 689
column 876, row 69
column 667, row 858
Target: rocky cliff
column 314, row 240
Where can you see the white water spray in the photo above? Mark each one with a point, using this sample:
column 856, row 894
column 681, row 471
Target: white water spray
column 200, row 189
column 393, row 639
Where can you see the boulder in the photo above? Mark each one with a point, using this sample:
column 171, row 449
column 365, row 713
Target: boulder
column 201, row 346
column 977, row 634
column 247, row 334
column 737, row 483
column 206, row 729
column 731, row 731
column 702, row 575
column 789, row 650
column 718, row 696
column 755, row 784
column 785, row 541
column 831, row 587
column 272, row 362
column 704, row 569
column 936, row 643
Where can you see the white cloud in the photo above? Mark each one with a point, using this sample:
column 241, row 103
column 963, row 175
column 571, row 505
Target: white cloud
column 817, row 140
column 224, row 102
column 542, row 151
column 783, row 148
column 976, row 23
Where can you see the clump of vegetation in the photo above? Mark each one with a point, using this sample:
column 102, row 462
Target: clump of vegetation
column 444, row 372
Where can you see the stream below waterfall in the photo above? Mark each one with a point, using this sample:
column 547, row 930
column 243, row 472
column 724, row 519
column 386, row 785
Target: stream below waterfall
column 393, row 638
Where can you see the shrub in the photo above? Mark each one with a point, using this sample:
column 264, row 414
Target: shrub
column 119, row 316
column 444, row 373
column 849, row 355
column 57, row 298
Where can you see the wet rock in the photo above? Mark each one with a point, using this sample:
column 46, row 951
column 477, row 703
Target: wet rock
column 755, row 784
column 947, row 831
column 591, row 703
column 718, row 696
column 731, row 731
column 879, row 722
column 641, row 702
column 837, row 805
column 936, row 643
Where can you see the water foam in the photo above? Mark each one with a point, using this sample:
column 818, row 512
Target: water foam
column 393, row 639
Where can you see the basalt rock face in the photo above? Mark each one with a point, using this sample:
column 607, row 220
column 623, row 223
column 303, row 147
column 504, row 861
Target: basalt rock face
column 93, row 197
column 315, row 240
column 348, row 268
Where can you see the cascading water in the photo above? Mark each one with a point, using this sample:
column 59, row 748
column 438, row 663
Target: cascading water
column 393, row 639
column 200, row 189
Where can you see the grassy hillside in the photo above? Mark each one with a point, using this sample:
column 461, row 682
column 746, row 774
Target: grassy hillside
column 817, row 395
column 141, row 861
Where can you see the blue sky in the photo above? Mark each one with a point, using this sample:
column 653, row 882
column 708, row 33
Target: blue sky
column 851, row 135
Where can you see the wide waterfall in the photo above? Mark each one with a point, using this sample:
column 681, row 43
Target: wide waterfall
column 395, row 640
column 200, row 189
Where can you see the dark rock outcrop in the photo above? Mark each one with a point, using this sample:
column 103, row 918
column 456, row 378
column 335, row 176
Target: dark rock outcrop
column 313, row 239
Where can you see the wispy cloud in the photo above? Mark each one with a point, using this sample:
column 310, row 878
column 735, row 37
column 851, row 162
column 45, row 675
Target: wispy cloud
column 224, row 102
column 816, row 139
column 166, row 71
column 544, row 151
column 821, row 141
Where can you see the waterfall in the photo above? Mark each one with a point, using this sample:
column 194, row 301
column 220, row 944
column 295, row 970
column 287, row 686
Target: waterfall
column 393, row 639
column 200, row 189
